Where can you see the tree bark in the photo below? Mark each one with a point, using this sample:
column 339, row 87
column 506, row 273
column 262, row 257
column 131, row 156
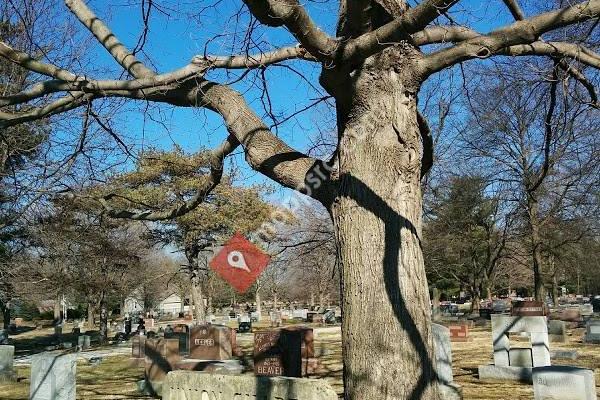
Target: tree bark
column 536, row 248
column 198, row 301
column 258, row 300
column 57, row 307
column 377, row 220
column 90, row 317
column 103, row 320
column 5, row 314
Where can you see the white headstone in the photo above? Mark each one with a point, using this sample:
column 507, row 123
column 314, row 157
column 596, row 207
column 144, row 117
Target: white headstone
column 7, row 356
column 502, row 325
column 563, row 383
column 592, row 334
column 53, row 377
column 442, row 350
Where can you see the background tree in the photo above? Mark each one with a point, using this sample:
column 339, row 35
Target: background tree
column 162, row 179
column 539, row 144
column 465, row 237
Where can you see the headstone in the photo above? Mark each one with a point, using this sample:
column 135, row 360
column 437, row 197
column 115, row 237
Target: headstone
column 244, row 327
column 536, row 326
column 586, row 309
column 459, row 333
column 138, row 344
column 596, row 304
column 557, row 331
column 592, row 331
column 53, row 377
column 211, row 342
column 276, row 318
column 3, row 337
column 84, row 341
column 181, row 384
column 502, row 369
column 564, row 355
column 7, row 356
column 181, row 332
column 442, row 350
column 485, row 313
column 520, row 357
column 283, row 352
column 563, row 383
column 300, row 314
column 149, row 323
column 570, row 315
column 528, row 309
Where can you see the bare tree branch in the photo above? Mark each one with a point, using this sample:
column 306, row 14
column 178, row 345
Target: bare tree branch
column 295, row 18
column 107, row 39
column 515, row 9
column 412, row 21
column 519, row 38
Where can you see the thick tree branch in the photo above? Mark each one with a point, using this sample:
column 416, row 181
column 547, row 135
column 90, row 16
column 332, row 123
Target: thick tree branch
column 256, row 61
column 212, row 180
column 412, row 21
column 514, row 38
column 515, row 9
column 443, row 34
column 265, row 152
column 295, row 18
column 547, row 132
column 67, row 103
column 107, row 39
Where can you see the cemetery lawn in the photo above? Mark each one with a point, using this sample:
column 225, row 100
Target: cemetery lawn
column 115, row 377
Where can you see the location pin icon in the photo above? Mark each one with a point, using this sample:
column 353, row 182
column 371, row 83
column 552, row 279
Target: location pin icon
column 236, row 260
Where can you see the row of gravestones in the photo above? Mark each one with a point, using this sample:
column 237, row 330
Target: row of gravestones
column 533, row 364
column 53, row 376
column 279, row 357
column 557, row 331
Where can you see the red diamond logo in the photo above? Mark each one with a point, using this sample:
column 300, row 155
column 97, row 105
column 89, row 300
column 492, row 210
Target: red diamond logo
column 239, row 262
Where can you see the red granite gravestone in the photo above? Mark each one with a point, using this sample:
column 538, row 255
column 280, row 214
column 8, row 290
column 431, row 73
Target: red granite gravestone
column 528, row 309
column 459, row 333
column 138, row 344
column 211, row 342
column 161, row 357
column 182, row 332
column 284, row 352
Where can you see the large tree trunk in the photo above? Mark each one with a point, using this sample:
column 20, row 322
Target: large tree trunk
column 536, row 248
column 377, row 219
column 103, row 320
column 258, row 301
column 198, row 301
column 5, row 314
column 90, row 315
column 57, row 308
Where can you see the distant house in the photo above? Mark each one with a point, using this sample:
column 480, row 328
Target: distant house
column 173, row 304
column 132, row 306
